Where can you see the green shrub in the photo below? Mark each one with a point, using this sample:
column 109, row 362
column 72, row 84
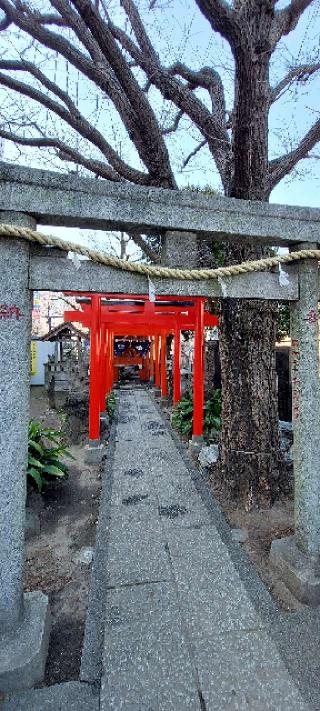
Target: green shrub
column 212, row 413
column 111, row 402
column 182, row 416
column 45, row 454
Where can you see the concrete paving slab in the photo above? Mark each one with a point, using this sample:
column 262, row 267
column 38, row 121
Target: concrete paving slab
column 129, row 604
column 71, row 696
column 183, row 514
column 137, row 554
column 167, row 462
column 128, row 490
column 147, row 666
column 180, row 504
column 244, row 671
column 143, row 512
column 214, row 603
column 129, row 456
column 297, row 636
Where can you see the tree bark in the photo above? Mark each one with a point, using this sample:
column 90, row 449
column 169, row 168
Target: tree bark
column 249, row 438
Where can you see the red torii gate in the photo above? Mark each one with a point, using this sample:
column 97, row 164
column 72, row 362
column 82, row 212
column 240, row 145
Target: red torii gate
column 130, row 355
column 110, row 315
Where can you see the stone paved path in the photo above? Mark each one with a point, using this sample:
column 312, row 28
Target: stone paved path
column 181, row 630
column 185, row 623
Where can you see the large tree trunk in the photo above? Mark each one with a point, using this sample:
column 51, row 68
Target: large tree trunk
column 249, row 438
column 250, row 447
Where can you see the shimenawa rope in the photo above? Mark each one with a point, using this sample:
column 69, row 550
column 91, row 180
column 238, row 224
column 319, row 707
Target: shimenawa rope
column 157, row 271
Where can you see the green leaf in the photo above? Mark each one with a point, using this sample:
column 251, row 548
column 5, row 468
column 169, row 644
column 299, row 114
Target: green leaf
column 34, row 462
column 53, row 452
column 54, row 471
column 36, row 476
column 46, row 450
column 52, row 435
column 68, row 455
column 61, row 466
column 35, row 445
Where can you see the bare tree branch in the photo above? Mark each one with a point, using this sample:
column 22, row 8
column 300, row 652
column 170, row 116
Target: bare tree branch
column 5, row 23
column 133, row 108
column 299, row 74
column 30, row 22
column 208, row 79
column 76, row 121
column 220, row 16
column 75, row 22
column 140, row 242
column 139, row 29
column 24, row 66
column 64, row 151
column 149, row 141
column 51, row 19
column 174, row 125
column 193, row 153
column 211, row 124
column 280, row 167
column 287, row 19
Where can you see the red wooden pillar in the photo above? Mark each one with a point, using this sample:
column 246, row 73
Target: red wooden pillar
column 176, row 366
column 111, row 367
column 103, row 367
column 151, row 358
column 198, row 370
column 109, row 364
column 144, row 372
column 156, row 362
column 94, row 406
column 164, row 386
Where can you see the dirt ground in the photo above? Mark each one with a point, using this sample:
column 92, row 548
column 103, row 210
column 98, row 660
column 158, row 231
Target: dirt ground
column 68, row 513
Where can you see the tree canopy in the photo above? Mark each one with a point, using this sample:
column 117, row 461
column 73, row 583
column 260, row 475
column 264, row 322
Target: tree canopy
column 94, row 83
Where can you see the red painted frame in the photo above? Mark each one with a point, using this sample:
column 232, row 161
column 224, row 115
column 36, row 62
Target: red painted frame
column 110, row 315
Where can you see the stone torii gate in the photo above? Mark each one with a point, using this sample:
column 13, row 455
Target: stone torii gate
column 34, row 197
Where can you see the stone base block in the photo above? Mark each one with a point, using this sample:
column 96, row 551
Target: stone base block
column 297, row 570
column 195, row 446
column 24, row 648
column 93, row 453
column 104, row 422
column 164, row 400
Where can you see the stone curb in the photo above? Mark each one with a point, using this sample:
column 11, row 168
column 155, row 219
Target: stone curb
column 91, row 658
